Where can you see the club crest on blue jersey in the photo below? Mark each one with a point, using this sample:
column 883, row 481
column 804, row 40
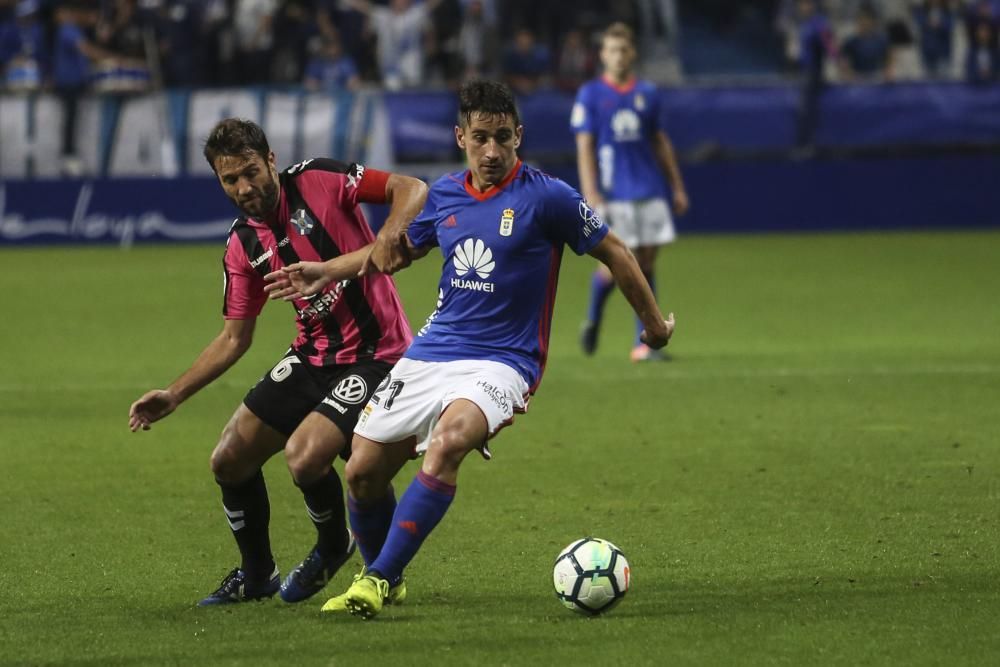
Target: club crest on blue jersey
column 507, row 222
column 640, row 102
column 302, row 221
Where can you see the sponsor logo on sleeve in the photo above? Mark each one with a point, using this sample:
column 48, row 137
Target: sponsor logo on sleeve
column 591, row 221
column 355, row 175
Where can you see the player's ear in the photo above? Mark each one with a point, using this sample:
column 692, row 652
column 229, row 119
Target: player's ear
column 518, row 135
column 271, row 160
column 460, row 137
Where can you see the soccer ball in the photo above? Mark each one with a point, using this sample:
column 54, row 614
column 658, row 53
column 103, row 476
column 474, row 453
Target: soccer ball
column 591, row 576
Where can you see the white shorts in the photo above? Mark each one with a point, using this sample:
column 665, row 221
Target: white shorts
column 645, row 222
column 415, row 393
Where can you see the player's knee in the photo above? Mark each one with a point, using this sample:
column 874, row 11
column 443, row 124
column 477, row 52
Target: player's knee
column 307, row 461
column 364, row 481
column 229, row 462
column 450, row 445
column 226, row 463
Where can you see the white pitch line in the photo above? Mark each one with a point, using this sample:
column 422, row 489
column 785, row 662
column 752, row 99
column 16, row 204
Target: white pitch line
column 670, row 371
column 106, row 386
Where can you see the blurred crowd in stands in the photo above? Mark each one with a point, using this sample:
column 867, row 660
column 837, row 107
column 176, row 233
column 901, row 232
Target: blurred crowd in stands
column 131, row 45
column 888, row 40
column 325, row 44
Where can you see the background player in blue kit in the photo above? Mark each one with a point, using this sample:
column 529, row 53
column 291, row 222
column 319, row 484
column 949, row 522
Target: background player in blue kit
column 623, row 153
column 501, row 226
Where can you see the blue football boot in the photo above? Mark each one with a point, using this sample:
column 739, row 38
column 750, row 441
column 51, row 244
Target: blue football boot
column 312, row 574
column 237, row 587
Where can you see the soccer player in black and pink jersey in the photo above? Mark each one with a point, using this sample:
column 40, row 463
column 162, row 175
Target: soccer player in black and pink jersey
column 349, row 336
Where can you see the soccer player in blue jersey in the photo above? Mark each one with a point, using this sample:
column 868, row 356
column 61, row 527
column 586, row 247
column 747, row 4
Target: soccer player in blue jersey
column 623, row 153
column 501, row 226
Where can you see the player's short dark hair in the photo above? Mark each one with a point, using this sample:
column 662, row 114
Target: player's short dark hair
column 621, row 31
column 236, row 136
column 487, row 97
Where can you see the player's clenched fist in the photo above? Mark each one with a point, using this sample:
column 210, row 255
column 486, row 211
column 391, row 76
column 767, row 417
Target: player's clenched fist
column 658, row 339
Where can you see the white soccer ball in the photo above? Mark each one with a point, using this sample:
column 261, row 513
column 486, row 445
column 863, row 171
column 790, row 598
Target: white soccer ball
column 591, row 576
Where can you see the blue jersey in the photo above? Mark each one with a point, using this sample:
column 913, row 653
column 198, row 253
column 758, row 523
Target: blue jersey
column 623, row 120
column 502, row 250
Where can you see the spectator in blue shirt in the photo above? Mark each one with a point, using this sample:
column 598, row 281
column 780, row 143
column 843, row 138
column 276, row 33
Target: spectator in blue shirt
column 983, row 12
column 866, row 53
column 72, row 57
column 180, row 27
column 331, row 69
column 935, row 21
column 526, row 63
column 23, row 57
column 983, row 64
column 816, row 43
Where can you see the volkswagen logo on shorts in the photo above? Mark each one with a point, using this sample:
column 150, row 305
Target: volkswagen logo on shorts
column 352, row 389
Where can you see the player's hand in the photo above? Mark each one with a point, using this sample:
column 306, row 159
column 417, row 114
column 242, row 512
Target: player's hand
column 681, row 202
column 659, row 338
column 153, row 406
column 296, row 281
column 388, row 255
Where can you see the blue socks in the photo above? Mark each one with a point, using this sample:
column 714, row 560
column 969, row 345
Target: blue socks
column 420, row 509
column 370, row 523
column 600, row 289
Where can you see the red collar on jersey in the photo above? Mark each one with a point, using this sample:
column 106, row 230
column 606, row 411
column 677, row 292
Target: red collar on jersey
column 622, row 88
column 496, row 189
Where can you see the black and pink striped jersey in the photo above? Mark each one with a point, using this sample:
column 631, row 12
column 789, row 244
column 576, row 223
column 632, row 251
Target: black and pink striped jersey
column 319, row 218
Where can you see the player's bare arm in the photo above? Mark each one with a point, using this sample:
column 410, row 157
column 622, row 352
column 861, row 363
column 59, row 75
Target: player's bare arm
column 586, row 165
column 224, row 351
column 390, row 252
column 303, row 279
column 619, row 259
column 667, row 157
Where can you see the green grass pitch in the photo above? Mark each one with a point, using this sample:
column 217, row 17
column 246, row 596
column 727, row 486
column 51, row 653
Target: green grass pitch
column 813, row 478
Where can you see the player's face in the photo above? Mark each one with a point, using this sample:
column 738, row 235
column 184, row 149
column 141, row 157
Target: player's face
column 250, row 181
column 490, row 143
column 618, row 57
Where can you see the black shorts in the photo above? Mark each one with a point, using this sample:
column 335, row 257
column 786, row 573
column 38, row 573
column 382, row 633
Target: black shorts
column 294, row 388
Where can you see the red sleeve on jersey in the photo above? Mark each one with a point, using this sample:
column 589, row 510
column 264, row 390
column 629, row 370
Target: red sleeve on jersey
column 243, row 287
column 371, row 190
